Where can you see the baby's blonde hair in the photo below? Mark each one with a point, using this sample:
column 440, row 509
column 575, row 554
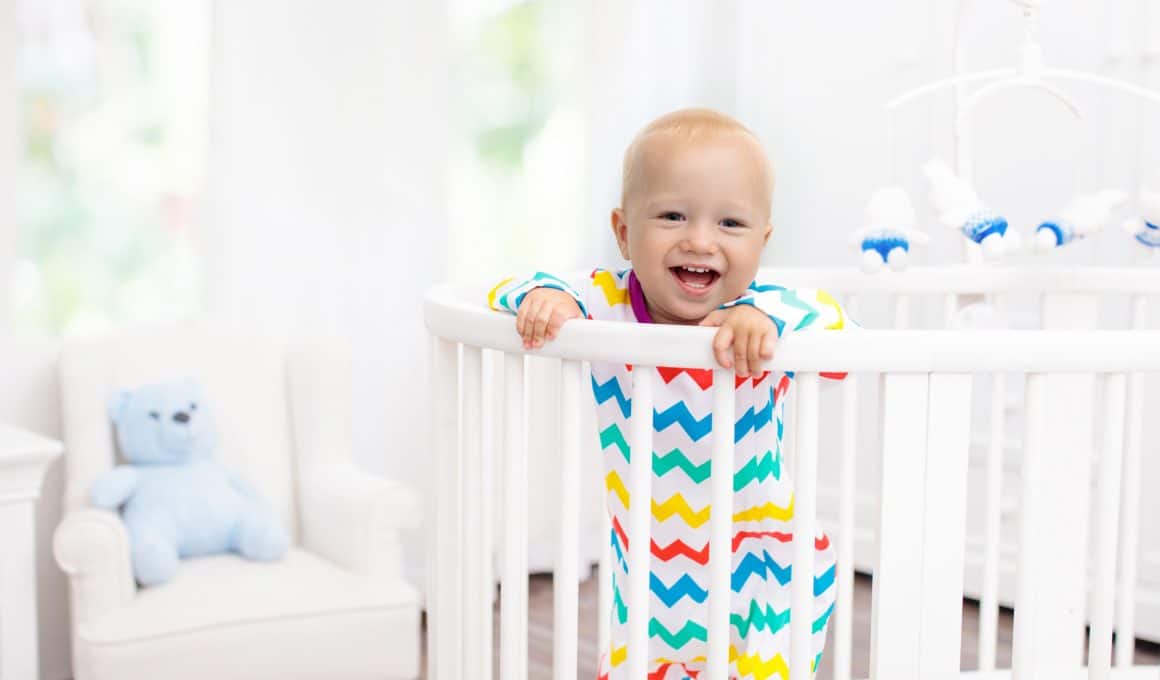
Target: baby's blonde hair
column 690, row 125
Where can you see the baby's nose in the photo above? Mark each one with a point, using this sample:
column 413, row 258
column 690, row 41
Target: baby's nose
column 700, row 241
column 181, row 417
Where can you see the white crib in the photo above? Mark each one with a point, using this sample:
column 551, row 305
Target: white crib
column 917, row 439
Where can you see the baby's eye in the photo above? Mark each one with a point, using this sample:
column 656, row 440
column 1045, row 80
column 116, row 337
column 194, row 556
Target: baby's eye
column 730, row 222
column 672, row 216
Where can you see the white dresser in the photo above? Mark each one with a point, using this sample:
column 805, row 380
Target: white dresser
column 23, row 459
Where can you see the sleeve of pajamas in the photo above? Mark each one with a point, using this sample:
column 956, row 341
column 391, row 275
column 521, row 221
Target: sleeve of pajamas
column 509, row 293
column 794, row 310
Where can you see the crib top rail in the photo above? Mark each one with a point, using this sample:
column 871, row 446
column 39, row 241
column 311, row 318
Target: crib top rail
column 456, row 313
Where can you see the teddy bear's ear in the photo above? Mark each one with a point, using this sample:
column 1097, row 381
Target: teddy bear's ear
column 117, row 404
column 192, row 386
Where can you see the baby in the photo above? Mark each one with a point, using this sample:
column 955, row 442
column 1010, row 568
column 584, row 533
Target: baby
column 693, row 219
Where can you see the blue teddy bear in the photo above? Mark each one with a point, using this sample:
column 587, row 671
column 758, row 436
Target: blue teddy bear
column 176, row 501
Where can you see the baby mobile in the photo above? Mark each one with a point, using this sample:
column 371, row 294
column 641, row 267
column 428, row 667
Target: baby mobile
column 890, row 229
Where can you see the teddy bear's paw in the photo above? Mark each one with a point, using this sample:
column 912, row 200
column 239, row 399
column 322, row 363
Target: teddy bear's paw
column 262, row 539
column 154, row 560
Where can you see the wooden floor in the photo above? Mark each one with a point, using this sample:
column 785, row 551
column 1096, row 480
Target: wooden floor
column 540, row 634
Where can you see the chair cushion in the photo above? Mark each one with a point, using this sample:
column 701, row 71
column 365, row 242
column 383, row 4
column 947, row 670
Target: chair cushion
column 301, row 617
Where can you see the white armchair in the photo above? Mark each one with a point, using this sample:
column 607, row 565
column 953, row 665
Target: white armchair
column 335, row 607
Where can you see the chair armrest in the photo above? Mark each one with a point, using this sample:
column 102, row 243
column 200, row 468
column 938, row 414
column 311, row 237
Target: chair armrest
column 91, row 546
column 354, row 518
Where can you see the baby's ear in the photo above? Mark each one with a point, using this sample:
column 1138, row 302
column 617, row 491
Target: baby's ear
column 768, row 231
column 117, row 404
column 620, row 231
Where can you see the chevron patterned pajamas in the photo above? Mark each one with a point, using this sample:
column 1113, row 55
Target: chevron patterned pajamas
column 762, row 498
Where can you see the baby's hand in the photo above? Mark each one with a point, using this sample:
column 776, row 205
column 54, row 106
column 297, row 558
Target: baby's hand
column 749, row 332
column 542, row 312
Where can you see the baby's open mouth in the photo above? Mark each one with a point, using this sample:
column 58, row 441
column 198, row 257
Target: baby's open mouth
column 695, row 279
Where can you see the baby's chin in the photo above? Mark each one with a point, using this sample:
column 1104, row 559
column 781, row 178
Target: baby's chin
column 691, row 313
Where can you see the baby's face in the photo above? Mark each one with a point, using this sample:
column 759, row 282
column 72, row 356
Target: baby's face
column 694, row 224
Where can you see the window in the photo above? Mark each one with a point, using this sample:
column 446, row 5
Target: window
column 518, row 175
column 113, row 110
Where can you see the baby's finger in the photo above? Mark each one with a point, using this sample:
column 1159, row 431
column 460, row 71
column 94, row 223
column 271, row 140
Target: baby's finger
column 754, row 355
column 721, row 344
column 532, row 305
column 556, row 322
column 522, row 315
column 741, row 353
column 541, row 325
column 768, row 341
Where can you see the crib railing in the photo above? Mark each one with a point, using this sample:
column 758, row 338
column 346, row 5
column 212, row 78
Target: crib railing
column 1048, row 298
column 927, row 379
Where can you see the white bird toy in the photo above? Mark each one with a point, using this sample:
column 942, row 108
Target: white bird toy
column 1145, row 227
column 889, row 231
column 959, row 207
column 1081, row 217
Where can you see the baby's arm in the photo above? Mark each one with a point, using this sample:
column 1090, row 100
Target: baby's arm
column 542, row 304
column 793, row 310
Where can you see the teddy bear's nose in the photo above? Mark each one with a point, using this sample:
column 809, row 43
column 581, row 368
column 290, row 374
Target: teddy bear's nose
column 181, row 417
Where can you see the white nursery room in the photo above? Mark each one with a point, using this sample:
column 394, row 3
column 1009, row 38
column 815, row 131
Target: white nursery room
column 388, row 340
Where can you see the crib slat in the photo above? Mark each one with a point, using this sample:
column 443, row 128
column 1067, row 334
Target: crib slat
column 897, row 596
column 1026, row 601
column 789, row 440
column 989, row 601
column 805, row 501
column 604, row 590
column 492, row 442
column 950, row 311
column 1130, row 509
column 901, row 311
column 639, row 520
column 566, row 579
column 476, row 597
column 514, row 603
column 604, row 545
column 1065, row 489
column 721, row 524
column 945, row 517
column 1107, row 514
column 444, row 631
column 844, row 631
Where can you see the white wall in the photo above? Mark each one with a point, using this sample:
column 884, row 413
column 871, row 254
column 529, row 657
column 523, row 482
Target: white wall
column 327, row 167
column 813, row 82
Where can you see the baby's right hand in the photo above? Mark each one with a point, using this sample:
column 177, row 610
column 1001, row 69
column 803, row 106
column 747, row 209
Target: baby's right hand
column 542, row 312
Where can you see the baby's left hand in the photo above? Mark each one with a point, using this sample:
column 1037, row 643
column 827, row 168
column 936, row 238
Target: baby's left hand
column 749, row 332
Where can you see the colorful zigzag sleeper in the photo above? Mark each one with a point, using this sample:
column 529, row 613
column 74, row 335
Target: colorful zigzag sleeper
column 762, row 500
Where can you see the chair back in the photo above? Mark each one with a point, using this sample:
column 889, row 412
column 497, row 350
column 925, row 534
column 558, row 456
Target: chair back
column 243, row 378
